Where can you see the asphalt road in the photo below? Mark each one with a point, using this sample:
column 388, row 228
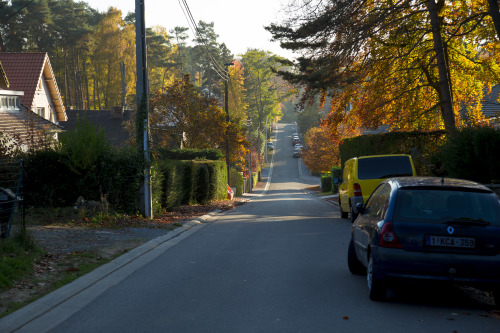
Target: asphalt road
column 276, row 264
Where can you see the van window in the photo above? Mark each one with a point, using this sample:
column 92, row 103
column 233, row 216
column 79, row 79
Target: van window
column 384, row 167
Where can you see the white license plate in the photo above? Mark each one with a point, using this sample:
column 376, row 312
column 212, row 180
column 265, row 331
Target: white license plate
column 443, row 241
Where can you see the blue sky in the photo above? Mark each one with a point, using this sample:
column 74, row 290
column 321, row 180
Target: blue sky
column 239, row 24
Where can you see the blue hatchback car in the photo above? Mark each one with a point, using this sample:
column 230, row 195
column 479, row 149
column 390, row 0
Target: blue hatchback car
column 428, row 229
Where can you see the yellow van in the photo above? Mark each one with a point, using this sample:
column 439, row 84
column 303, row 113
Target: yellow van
column 362, row 174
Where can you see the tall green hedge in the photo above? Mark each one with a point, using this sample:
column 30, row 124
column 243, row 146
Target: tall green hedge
column 184, row 182
column 421, row 145
column 236, row 181
column 53, row 180
column 189, row 154
column 471, row 153
column 326, row 182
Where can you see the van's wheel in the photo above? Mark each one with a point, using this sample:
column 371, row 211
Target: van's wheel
column 342, row 213
column 377, row 289
column 353, row 215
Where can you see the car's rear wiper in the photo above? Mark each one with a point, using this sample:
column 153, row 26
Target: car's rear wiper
column 467, row 221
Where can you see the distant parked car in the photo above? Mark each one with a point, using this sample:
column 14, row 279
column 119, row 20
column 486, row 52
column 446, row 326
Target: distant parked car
column 427, row 229
column 295, row 141
column 298, row 146
column 270, row 146
column 297, row 152
column 362, row 174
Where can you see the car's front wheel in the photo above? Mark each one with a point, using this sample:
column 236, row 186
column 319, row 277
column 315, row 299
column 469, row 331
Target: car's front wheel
column 355, row 266
column 377, row 289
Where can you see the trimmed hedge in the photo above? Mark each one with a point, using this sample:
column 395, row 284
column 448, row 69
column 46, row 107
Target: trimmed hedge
column 52, row 180
column 336, row 173
column 471, row 153
column 326, row 182
column 202, row 185
column 188, row 154
column 191, row 182
column 236, row 180
column 426, row 144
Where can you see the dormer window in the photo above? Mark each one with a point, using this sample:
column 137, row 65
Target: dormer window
column 41, row 112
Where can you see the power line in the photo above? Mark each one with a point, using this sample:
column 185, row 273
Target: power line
column 193, row 26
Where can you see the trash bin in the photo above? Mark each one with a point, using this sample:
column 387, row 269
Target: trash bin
column 7, row 199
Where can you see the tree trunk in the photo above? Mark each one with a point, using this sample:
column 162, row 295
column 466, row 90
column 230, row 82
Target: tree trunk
column 66, row 81
column 444, row 82
column 495, row 15
column 86, row 83
column 75, row 80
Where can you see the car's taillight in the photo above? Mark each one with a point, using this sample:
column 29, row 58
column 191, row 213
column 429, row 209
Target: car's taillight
column 357, row 190
column 388, row 237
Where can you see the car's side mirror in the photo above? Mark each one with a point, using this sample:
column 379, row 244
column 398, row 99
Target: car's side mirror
column 361, row 208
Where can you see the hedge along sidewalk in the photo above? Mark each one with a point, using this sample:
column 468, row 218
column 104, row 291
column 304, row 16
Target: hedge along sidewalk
column 265, row 173
column 49, row 311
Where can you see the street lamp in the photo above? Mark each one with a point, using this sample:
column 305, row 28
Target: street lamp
column 226, row 105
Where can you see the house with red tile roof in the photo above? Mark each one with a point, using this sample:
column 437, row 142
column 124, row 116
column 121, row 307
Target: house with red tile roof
column 30, row 104
column 32, row 73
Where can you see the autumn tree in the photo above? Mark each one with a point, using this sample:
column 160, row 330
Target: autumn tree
column 183, row 112
column 383, row 63
column 238, row 104
column 261, row 87
column 114, row 43
column 321, row 150
column 320, row 153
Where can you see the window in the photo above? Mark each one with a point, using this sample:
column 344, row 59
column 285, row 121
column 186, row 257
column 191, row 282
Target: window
column 384, row 167
column 41, row 112
column 442, row 205
column 379, row 201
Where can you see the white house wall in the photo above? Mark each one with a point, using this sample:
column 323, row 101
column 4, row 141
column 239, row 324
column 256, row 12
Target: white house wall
column 42, row 99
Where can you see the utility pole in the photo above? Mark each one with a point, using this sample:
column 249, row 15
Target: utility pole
column 143, row 103
column 265, row 148
column 226, row 105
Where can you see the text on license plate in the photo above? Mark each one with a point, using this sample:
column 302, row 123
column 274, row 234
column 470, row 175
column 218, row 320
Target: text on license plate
column 466, row 242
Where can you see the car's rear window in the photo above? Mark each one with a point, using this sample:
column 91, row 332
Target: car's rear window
column 384, row 167
column 446, row 205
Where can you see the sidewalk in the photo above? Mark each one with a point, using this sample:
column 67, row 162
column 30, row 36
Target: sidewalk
column 262, row 185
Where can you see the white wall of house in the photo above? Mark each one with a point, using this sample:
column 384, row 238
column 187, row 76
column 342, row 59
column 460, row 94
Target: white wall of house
column 42, row 102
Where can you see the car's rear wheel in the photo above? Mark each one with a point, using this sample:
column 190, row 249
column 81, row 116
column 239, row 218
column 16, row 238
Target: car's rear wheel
column 353, row 215
column 377, row 289
column 342, row 213
column 355, row 266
